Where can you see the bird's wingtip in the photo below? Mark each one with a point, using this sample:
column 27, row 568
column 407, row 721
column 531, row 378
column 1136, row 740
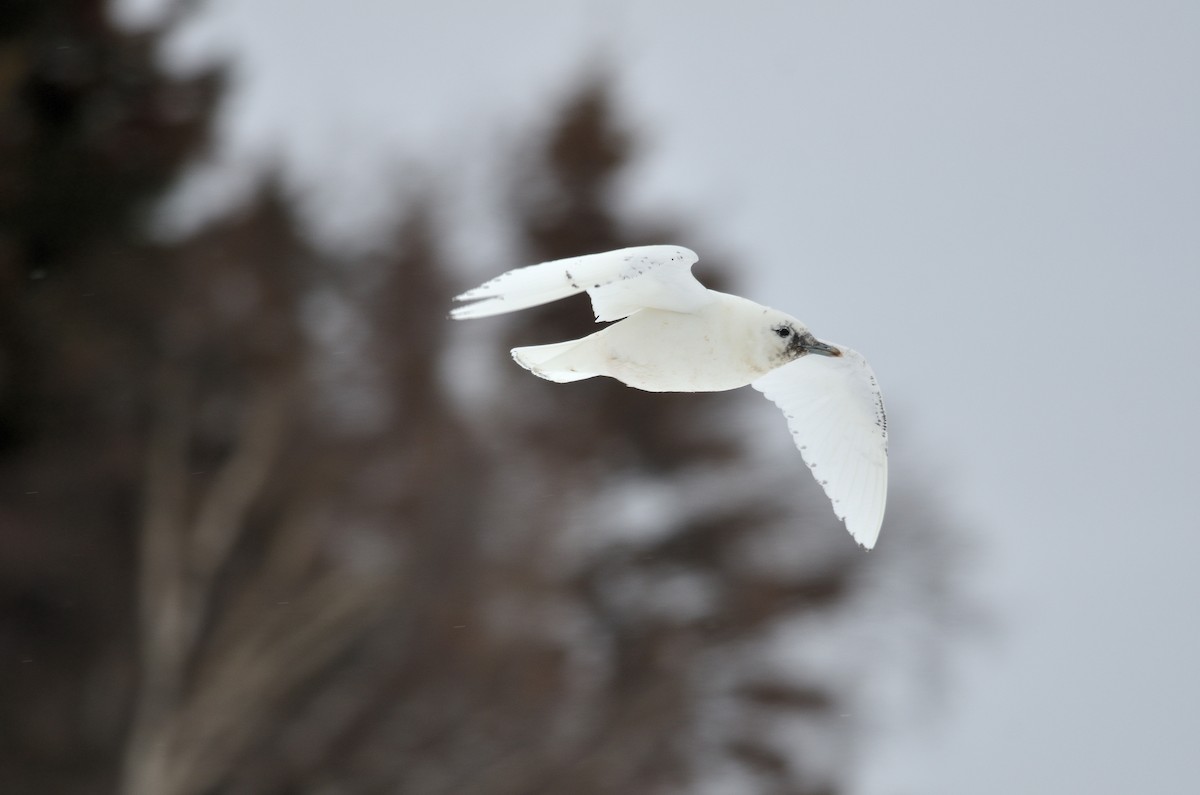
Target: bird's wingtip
column 865, row 539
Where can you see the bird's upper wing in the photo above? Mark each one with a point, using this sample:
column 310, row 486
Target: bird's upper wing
column 835, row 412
column 619, row 282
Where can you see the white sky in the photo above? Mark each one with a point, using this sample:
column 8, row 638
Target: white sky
column 999, row 203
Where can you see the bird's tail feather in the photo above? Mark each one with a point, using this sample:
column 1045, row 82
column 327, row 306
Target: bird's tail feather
column 552, row 362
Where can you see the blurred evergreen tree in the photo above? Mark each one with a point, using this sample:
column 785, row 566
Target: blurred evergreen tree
column 669, row 601
column 92, row 132
column 253, row 541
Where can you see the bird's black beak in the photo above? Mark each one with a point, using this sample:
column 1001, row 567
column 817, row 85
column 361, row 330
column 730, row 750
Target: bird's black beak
column 824, row 348
column 810, row 344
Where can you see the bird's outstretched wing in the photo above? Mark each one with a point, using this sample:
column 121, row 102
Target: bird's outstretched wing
column 619, row 283
column 835, row 412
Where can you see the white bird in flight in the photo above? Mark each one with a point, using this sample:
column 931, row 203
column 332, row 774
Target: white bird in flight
column 676, row 335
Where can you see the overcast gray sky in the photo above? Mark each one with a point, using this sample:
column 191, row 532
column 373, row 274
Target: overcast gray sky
column 998, row 203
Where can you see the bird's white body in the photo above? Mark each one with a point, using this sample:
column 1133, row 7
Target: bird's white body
column 674, row 335
column 663, row 351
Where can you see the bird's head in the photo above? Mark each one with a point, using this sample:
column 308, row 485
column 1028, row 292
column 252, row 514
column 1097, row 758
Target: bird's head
column 789, row 339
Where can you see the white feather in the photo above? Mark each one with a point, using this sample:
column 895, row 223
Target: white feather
column 835, row 412
column 619, row 283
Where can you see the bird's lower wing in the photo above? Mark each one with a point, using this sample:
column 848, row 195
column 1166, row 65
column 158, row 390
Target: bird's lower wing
column 619, row 282
column 834, row 410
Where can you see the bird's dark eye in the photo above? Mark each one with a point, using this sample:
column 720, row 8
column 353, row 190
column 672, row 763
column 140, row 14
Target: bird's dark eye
column 783, row 331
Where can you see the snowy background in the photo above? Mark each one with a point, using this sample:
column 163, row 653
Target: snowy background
column 998, row 203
